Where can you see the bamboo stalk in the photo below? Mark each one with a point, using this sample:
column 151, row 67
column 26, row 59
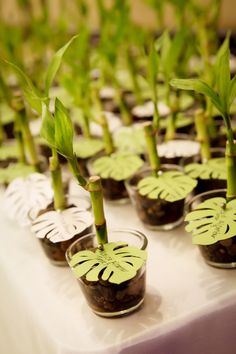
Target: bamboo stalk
column 230, row 156
column 96, row 195
column 202, row 135
column 108, row 141
column 150, row 136
column 76, row 171
column 55, row 169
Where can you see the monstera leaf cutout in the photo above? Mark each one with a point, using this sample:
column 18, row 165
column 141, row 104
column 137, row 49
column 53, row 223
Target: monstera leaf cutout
column 62, row 225
column 25, row 197
column 87, row 147
column 185, row 101
column 213, row 168
column 170, row 186
column 13, row 171
column 212, row 221
column 130, row 139
column 115, row 263
column 118, row 166
column 9, row 152
column 7, row 114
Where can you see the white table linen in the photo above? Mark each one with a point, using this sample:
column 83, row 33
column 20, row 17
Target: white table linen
column 189, row 306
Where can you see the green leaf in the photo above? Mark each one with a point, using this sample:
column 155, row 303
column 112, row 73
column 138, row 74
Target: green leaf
column 170, row 186
column 55, row 64
column 175, row 51
column 130, row 139
column 63, row 131
column 9, row 151
column 87, row 147
column 31, row 93
column 212, row 221
column 213, row 168
column 153, row 67
column 232, row 91
column 200, row 87
column 48, row 126
column 118, row 166
column 13, row 171
column 223, row 73
column 116, row 263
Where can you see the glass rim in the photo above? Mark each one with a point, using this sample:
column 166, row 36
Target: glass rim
column 131, row 231
column 193, row 199
column 148, row 168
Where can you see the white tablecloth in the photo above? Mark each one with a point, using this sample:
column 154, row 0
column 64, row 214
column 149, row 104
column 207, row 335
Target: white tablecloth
column 189, row 307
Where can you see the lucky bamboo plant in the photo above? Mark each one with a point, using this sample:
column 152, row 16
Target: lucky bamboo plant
column 212, row 221
column 158, row 193
column 104, row 262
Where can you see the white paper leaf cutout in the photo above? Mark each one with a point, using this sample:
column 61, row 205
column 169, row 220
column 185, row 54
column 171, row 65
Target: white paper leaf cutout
column 107, row 93
column 178, row 148
column 113, row 121
column 62, row 225
column 147, row 110
column 26, row 196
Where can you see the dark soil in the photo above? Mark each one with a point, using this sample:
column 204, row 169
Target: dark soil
column 221, row 251
column 56, row 251
column 114, row 190
column 105, row 297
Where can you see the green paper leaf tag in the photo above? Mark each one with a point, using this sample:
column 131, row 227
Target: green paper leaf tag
column 118, row 166
column 116, row 263
column 130, row 139
column 170, row 186
column 212, row 221
column 214, row 168
column 6, row 113
column 87, row 147
column 15, row 170
column 9, row 151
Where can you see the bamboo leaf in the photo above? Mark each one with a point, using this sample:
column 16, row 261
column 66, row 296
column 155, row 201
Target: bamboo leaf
column 55, row 64
column 212, row 221
column 63, row 131
column 48, row 126
column 232, row 90
column 223, row 73
column 200, row 87
column 31, row 93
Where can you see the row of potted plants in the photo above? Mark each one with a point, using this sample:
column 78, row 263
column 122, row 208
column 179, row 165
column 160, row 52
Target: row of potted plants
column 146, row 162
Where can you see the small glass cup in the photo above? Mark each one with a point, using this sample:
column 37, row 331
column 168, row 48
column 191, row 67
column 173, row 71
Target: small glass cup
column 114, row 191
column 205, row 185
column 156, row 214
column 221, row 254
column 107, row 299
